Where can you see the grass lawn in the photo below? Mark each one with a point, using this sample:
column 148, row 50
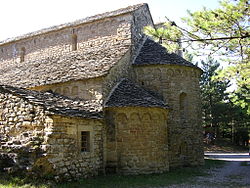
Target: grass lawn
column 177, row 176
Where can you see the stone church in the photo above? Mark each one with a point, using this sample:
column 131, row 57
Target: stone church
column 97, row 96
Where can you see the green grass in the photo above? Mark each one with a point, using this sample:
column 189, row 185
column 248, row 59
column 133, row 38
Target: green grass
column 245, row 163
column 177, row 176
column 13, row 181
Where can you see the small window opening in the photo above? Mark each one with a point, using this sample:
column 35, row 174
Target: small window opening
column 74, row 42
column 22, row 54
column 85, row 141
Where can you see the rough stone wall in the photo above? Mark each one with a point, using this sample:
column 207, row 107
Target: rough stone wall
column 92, row 89
column 63, row 147
column 96, row 89
column 35, row 142
column 125, row 29
column 22, row 132
column 121, row 70
column 89, row 89
column 141, row 18
column 93, row 35
column 185, row 131
column 89, row 34
column 137, row 140
column 56, row 139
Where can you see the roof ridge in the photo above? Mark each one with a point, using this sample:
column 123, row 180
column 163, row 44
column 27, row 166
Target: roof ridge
column 87, row 19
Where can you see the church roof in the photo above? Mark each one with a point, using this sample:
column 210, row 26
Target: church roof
column 152, row 53
column 127, row 94
column 56, row 104
column 91, row 63
column 76, row 23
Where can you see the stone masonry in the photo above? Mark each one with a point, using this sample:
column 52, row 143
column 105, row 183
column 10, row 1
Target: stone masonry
column 97, row 96
column 41, row 139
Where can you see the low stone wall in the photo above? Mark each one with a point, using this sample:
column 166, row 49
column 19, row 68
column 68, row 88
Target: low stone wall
column 33, row 141
column 21, row 133
column 137, row 141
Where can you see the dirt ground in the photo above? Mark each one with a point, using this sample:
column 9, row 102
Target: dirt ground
column 234, row 174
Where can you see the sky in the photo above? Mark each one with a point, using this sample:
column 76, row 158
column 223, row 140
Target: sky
column 18, row 17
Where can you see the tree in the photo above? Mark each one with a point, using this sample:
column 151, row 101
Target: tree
column 223, row 32
column 213, row 95
column 220, row 113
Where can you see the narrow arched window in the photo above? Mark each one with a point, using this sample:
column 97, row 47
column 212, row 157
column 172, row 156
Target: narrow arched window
column 183, row 105
column 74, row 42
column 22, row 54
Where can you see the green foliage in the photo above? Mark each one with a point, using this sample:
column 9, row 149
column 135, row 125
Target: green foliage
column 244, row 163
column 165, row 32
column 20, row 181
column 241, row 98
column 223, row 114
column 229, row 23
column 223, row 32
column 213, row 95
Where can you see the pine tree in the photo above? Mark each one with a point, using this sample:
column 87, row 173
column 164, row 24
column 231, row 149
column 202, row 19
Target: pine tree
column 213, row 95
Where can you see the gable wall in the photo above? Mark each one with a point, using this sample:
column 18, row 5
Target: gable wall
column 123, row 69
column 141, row 18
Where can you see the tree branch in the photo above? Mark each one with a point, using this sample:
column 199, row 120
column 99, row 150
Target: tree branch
column 220, row 38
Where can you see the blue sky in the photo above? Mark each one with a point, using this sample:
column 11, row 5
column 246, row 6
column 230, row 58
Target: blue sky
column 18, row 17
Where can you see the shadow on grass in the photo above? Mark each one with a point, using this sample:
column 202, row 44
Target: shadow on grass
column 245, row 163
column 177, row 176
column 20, row 181
column 224, row 145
